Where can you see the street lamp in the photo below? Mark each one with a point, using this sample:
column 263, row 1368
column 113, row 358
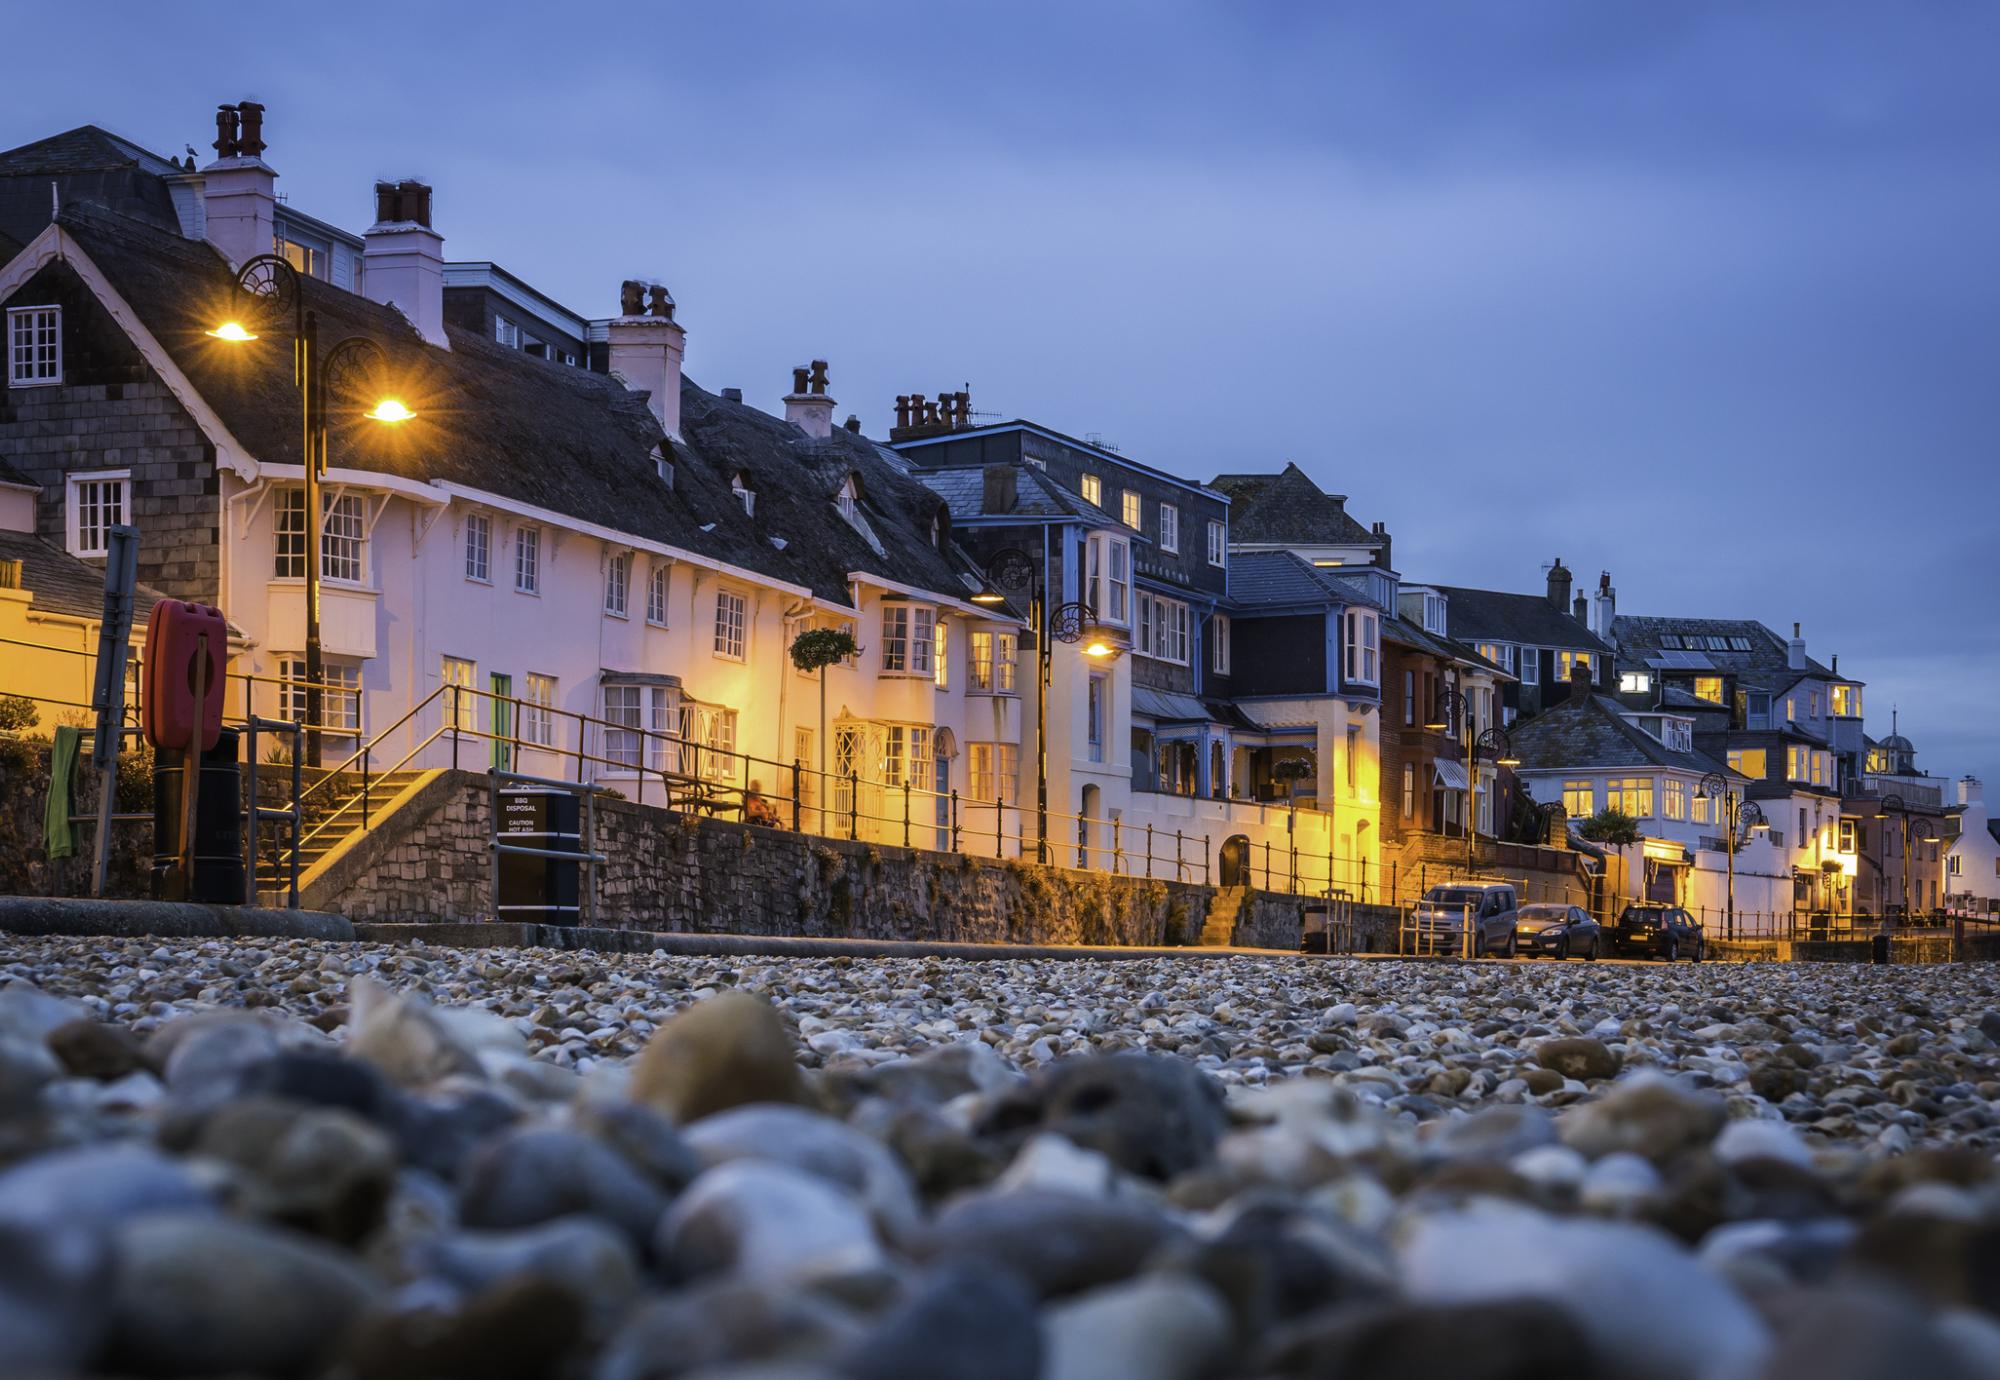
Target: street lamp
column 270, row 288
column 1012, row 571
column 1456, row 706
column 1893, row 804
column 1739, row 819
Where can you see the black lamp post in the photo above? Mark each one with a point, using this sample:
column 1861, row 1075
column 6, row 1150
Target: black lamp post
column 271, row 286
column 1739, row 818
column 1455, row 706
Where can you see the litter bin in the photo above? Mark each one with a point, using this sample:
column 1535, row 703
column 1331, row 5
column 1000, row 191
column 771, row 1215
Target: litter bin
column 1878, row 949
column 534, row 890
column 218, row 825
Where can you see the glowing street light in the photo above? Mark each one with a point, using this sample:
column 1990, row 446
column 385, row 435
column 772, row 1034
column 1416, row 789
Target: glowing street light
column 234, row 332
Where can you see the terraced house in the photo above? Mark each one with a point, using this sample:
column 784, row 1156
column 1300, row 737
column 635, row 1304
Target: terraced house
column 546, row 568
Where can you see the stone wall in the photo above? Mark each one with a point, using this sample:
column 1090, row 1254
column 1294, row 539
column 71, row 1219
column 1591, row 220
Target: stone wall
column 26, row 869
column 679, row 874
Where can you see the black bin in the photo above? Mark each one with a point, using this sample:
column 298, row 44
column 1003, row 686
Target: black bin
column 539, row 891
column 218, row 826
column 1878, row 949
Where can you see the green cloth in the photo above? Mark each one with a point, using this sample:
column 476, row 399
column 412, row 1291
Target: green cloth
column 56, row 833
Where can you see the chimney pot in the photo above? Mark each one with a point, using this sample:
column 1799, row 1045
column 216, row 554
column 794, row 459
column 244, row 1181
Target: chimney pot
column 239, row 193
column 853, row 423
column 646, row 349
column 1559, row 580
column 734, row 395
column 809, row 408
column 250, row 139
column 799, row 379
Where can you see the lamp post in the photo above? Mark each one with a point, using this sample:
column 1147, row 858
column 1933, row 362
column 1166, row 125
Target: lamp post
column 1456, row 706
column 1739, row 817
column 271, row 286
column 1012, row 571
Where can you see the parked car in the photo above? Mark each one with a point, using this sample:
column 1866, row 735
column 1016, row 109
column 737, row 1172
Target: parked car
column 1440, row 918
column 1658, row 931
column 1557, row 930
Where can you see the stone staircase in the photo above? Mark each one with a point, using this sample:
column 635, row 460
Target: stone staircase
column 1218, row 928
column 342, row 797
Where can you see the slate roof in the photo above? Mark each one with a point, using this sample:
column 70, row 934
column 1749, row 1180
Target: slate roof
column 1587, row 733
column 573, row 442
column 1278, row 578
column 90, row 166
column 1287, row 508
column 10, row 475
column 1398, row 629
column 1492, row 615
column 1766, row 666
column 1036, row 495
column 63, row 584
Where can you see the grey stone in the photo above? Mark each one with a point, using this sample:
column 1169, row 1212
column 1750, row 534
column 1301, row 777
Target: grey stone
column 26, row 1068
column 1578, row 1057
column 1647, row 1114
column 1058, row 1242
column 1493, row 1133
column 319, row 1169
column 724, row 1323
column 1150, row 1115
column 206, row 1295
column 725, row 1052
column 590, row 1258
column 98, row 1185
column 521, row 1177
column 965, row 1321
column 1519, row 1339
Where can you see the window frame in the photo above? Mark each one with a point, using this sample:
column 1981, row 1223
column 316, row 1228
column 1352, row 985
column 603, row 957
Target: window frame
column 1218, row 645
column 1170, row 528
column 731, row 641
column 1218, row 543
column 1361, row 647
column 659, row 594
column 1091, row 488
column 618, row 584
column 479, row 570
column 74, row 529
column 1132, row 509
column 346, row 693
column 528, row 559
column 23, row 318
column 538, row 704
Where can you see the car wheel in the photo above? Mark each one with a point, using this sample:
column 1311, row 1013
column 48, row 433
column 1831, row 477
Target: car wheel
column 1562, row 948
column 1513, row 944
column 1700, row 949
column 1670, row 949
column 1590, row 954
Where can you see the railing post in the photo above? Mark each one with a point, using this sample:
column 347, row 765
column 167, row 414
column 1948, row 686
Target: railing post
column 1149, row 852
column 1267, row 864
column 1117, row 846
column 798, row 790
column 1205, row 847
column 298, row 812
column 954, row 820
column 366, row 807
column 853, row 804
column 999, row 821
column 906, row 812
column 454, row 725
column 250, row 845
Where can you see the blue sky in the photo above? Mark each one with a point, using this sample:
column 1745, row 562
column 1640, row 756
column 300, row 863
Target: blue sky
column 1702, row 294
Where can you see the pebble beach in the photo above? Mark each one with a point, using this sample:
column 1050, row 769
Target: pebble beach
column 316, row 1159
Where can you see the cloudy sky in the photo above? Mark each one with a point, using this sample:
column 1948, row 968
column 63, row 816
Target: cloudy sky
column 1699, row 293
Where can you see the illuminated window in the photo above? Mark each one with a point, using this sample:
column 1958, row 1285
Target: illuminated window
column 1631, row 795
column 1846, row 844
column 1092, row 489
column 1129, row 509
column 1634, row 682
column 1501, row 654
column 1708, row 688
column 940, row 641
column 342, row 537
column 1409, row 790
column 1846, row 701
column 1673, row 798
column 1566, row 660
column 1750, row 762
column 996, row 767
column 991, row 665
column 538, row 720
column 460, row 710
column 907, row 639
column 1579, row 799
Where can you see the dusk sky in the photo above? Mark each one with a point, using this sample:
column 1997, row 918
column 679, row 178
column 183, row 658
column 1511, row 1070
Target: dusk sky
column 1701, row 294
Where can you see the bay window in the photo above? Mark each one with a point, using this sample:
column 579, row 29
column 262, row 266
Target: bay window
column 1108, row 578
column 990, row 667
column 908, row 639
column 996, row 768
column 1631, row 795
column 1361, row 646
column 343, row 536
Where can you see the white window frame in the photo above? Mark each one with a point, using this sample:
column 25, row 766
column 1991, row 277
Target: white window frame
column 618, row 584
column 1092, row 489
column 456, row 670
column 1579, row 792
column 538, row 702
column 659, row 591
column 528, row 559
column 1531, row 665
column 1170, row 528
column 1218, row 644
column 1132, row 509
column 36, row 343
column 732, row 624
column 1162, row 632
column 1218, row 543
column 110, row 501
column 479, row 548
column 1108, row 578
column 995, row 772
column 340, row 693
column 941, row 654
column 1361, row 647
column 1096, row 711
column 1673, row 798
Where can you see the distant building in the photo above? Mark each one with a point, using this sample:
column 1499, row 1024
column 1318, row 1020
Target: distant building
column 1972, row 857
column 1537, row 639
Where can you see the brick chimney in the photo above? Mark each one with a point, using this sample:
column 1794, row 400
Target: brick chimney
column 1579, row 681
column 239, row 189
column 918, row 416
column 997, row 489
column 403, row 258
column 647, row 347
column 1559, row 585
column 808, row 406
column 1604, row 609
column 1381, row 535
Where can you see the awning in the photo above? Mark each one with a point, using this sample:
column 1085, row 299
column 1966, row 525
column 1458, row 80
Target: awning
column 1450, row 774
column 1168, row 707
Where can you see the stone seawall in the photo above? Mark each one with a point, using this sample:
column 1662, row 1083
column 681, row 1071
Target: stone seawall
column 681, row 874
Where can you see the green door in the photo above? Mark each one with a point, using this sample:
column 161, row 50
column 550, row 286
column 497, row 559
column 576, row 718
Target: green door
column 503, row 722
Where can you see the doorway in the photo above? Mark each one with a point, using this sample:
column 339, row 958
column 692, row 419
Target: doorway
column 503, row 721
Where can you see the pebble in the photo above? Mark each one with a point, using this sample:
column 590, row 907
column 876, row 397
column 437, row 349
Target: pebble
column 725, row 1052
column 1164, row 1326
column 766, row 1222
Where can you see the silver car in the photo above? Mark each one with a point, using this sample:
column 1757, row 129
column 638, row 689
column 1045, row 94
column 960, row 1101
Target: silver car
column 1440, row 919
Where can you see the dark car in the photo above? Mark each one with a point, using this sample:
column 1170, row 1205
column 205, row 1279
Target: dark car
column 1557, row 930
column 1659, row 932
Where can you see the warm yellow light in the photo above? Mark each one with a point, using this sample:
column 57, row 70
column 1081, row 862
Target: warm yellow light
column 1098, row 649
column 989, row 597
column 233, row 332
column 390, row 410
column 1510, row 762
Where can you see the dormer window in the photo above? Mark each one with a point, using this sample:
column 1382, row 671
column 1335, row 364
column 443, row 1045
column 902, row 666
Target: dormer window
column 1434, row 614
column 1092, row 489
column 849, row 503
column 739, row 484
column 663, row 466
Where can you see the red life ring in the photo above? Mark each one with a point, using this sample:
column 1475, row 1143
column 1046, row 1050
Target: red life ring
column 175, row 634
